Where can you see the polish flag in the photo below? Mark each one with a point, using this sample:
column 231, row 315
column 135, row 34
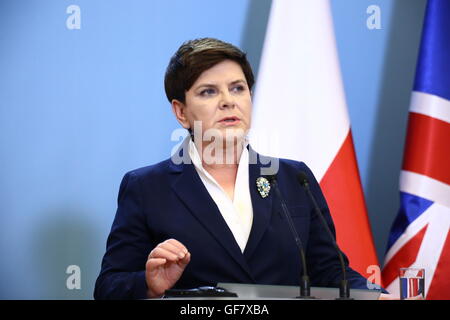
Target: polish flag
column 300, row 113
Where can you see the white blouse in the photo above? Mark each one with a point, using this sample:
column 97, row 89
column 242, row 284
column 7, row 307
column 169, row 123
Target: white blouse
column 238, row 213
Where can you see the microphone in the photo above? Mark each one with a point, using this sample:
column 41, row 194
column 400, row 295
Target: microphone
column 344, row 289
column 305, row 286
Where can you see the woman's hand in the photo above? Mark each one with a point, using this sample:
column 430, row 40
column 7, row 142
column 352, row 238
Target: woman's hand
column 165, row 265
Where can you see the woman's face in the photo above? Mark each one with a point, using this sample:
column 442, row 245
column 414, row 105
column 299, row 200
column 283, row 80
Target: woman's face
column 220, row 100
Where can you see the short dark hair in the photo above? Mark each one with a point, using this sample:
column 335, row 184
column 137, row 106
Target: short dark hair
column 196, row 56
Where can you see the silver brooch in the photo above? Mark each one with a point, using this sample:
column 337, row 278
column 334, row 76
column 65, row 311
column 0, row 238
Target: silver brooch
column 263, row 186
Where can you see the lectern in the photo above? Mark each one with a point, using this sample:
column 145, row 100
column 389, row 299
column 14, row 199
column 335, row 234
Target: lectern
column 257, row 291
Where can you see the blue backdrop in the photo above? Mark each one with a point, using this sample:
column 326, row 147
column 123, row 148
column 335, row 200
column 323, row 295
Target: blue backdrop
column 82, row 102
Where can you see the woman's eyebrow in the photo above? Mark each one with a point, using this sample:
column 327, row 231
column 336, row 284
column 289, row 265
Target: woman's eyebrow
column 238, row 81
column 207, row 85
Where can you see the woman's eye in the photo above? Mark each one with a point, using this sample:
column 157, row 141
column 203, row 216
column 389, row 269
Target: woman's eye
column 207, row 92
column 239, row 88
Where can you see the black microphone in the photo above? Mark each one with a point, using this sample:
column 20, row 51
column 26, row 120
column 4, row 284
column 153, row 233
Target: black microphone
column 305, row 286
column 344, row 289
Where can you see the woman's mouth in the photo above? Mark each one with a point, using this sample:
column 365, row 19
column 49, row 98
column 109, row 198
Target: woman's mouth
column 230, row 121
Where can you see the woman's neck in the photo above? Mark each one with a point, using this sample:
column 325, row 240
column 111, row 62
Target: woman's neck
column 224, row 156
column 222, row 162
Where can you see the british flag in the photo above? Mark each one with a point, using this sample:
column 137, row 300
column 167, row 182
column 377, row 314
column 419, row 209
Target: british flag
column 420, row 233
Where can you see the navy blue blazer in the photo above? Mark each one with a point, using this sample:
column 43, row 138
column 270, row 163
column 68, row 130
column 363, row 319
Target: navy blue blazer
column 169, row 200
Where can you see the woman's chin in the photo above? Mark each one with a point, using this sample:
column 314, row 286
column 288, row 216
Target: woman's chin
column 223, row 136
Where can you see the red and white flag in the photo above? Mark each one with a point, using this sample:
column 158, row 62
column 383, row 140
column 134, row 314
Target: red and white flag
column 300, row 113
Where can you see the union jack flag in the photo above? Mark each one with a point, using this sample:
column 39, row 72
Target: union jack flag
column 420, row 233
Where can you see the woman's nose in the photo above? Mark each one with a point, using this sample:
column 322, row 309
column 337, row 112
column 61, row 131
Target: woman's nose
column 227, row 100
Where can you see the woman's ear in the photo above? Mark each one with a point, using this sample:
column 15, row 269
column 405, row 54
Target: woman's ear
column 179, row 110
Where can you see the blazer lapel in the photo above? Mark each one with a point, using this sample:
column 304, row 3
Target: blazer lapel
column 192, row 192
column 262, row 207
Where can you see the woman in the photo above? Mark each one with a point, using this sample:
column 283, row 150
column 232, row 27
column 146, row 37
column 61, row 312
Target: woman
column 207, row 215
